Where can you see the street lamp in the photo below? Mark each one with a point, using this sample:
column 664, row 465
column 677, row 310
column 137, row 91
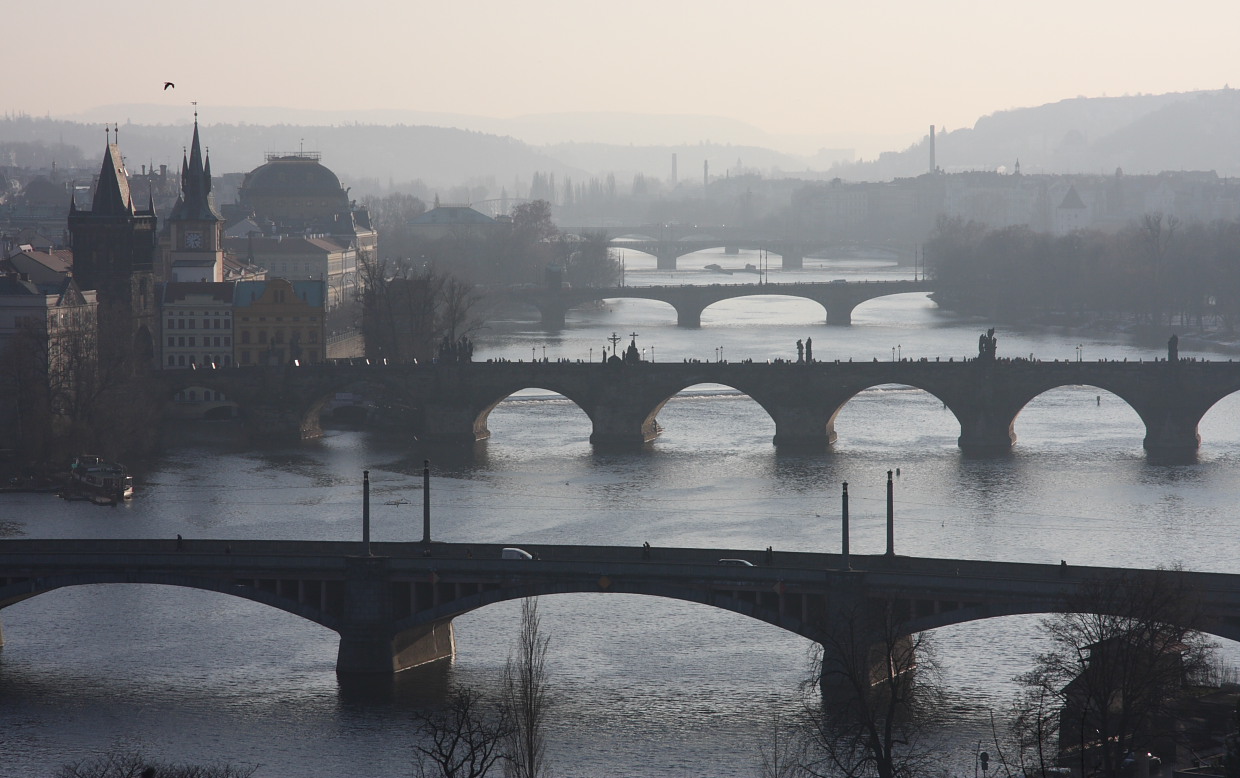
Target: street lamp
column 652, row 353
column 544, row 353
column 1078, row 352
column 900, row 352
column 721, row 353
column 893, row 353
column 533, row 353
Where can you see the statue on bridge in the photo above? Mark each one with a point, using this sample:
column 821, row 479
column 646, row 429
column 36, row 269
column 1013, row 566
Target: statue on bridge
column 986, row 345
column 809, row 349
column 460, row 351
column 800, row 352
column 1173, row 348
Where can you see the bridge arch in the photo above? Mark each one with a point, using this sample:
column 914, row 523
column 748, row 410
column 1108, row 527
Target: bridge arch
column 924, row 404
column 482, row 412
column 762, row 607
column 781, row 300
column 482, row 421
column 271, row 596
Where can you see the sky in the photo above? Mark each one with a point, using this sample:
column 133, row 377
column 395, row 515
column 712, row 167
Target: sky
column 790, row 67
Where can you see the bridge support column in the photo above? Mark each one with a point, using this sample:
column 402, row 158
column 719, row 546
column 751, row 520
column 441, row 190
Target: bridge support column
column 665, row 260
column 1172, row 439
column 280, row 424
column 689, row 316
column 552, row 317
column 839, row 314
column 449, row 423
column 368, row 643
column 984, row 435
column 803, row 429
column 792, row 260
column 621, row 423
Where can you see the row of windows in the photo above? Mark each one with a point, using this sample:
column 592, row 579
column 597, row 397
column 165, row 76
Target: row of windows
column 207, row 324
column 191, row 341
column 204, row 313
column 306, row 356
column 181, row 360
column 277, row 336
column 191, row 395
column 311, row 319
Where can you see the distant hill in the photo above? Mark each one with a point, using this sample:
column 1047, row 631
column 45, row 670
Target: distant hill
column 370, row 156
column 1141, row 134
column 369, row 150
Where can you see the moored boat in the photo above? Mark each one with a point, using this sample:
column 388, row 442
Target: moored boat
column 91, row 474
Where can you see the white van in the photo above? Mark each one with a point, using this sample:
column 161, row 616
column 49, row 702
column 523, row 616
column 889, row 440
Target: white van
column 515, row 553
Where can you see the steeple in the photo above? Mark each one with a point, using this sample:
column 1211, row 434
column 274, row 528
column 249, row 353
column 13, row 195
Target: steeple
column 196, row 201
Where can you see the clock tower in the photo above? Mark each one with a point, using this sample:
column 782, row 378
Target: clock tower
column 196, row 227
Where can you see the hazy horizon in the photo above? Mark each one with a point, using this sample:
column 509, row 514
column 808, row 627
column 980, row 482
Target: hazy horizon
column 809, row 75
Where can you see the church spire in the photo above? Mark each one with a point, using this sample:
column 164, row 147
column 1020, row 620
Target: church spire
column 195, row 202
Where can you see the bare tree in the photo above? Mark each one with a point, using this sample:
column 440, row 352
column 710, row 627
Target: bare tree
column 408, row 311
column 135, row 764
column 526, row 698
column 877, row 695
column 780, row 751
column 1123, row 649
column 463, row 739
column 1034, row 724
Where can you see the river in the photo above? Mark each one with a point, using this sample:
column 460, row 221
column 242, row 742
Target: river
column 642, row 686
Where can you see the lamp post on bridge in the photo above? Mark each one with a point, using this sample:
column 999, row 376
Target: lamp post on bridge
column 844, row 527
column 366, row 512
column 426, row 501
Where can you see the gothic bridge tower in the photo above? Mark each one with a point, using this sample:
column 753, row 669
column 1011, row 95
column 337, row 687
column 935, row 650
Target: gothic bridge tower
column 114, row 250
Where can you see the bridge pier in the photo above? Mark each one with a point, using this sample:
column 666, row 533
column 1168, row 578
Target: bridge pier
column 267, row 424
column 552, row 316
column 617, row 425
column 839, row 314
column 449, row 423
column 986, row 437
column 1172, row 439
column 689, row 316
column 368, row 643
column 792, row 260
column 804, row 429
column 665, row 260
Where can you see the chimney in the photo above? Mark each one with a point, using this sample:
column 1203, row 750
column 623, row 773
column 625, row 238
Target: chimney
column 933, row 166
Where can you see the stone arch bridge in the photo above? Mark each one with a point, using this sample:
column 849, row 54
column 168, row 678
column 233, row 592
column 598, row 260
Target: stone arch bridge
column 394, row 609
column 450, row 403
column 838, row 298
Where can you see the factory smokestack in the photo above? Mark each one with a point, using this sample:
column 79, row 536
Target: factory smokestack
column 933, row 166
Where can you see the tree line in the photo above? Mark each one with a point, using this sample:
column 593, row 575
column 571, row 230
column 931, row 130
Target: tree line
column 1156, row 271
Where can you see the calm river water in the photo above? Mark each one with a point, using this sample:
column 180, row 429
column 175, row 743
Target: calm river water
column 643, row 687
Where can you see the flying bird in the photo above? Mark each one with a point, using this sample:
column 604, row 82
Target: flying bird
column 168, row 85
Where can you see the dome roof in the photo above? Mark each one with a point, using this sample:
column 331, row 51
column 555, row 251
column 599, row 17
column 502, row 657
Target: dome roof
column 295, row 175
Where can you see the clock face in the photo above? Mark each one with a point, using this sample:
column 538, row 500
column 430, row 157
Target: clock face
column 193, row 240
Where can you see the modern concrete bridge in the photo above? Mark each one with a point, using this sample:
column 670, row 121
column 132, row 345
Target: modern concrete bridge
column 839, row 298
column 450, row 403
column 394, row 609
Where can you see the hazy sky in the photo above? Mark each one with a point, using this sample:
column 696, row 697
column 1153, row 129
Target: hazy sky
column 787, row 66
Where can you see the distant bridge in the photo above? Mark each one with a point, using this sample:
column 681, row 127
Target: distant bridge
column 394, row 610
column 839, row 298
column 668, row 242
column 450, row 403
